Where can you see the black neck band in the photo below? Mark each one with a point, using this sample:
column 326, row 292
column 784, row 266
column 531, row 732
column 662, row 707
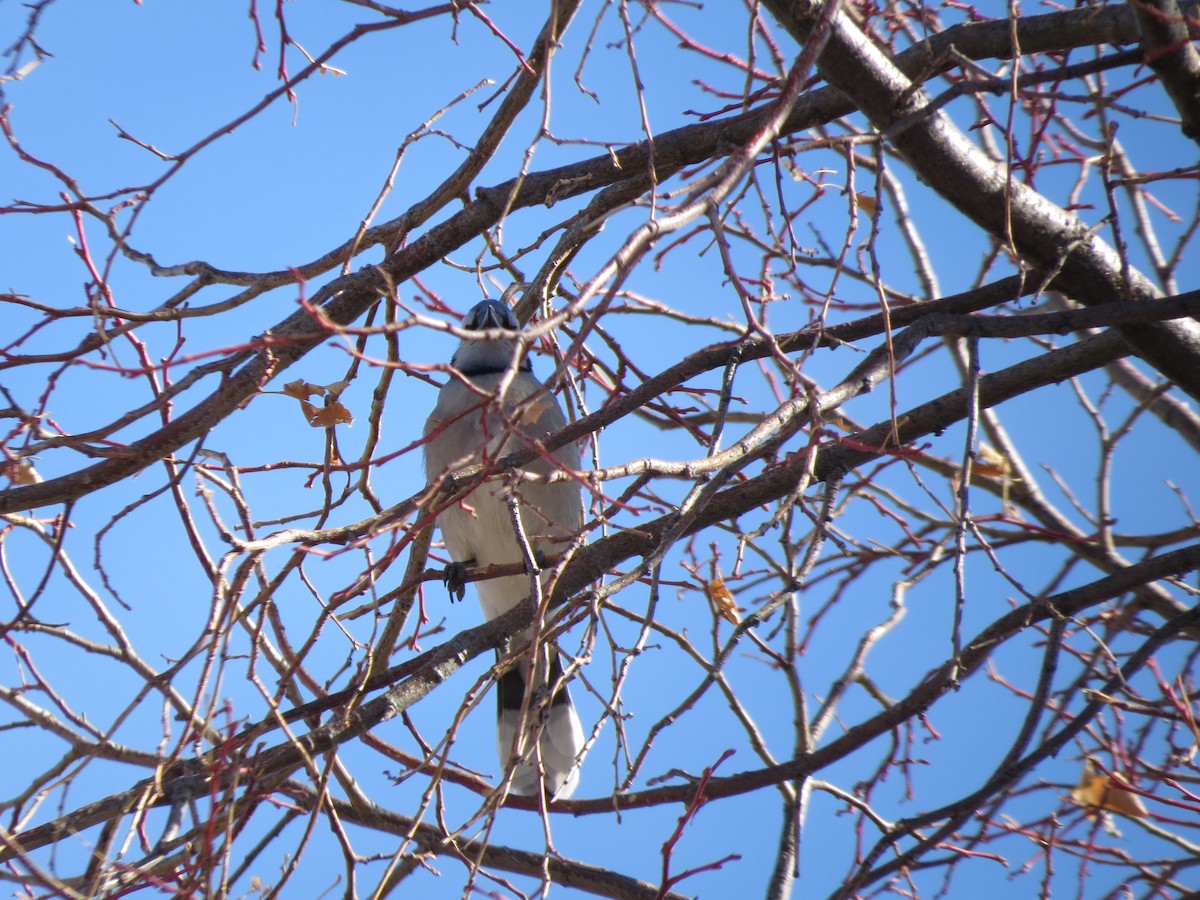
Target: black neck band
column 491, row 369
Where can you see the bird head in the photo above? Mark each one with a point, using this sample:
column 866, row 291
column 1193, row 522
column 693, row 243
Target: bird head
column 490, row 314
column 489, row 353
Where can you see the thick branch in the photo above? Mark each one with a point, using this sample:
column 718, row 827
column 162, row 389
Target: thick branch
column 346, row 298
column 1167, row 41
column 437, row 664
column 946, row 159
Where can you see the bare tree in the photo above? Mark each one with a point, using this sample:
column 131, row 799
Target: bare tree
column 880, row 344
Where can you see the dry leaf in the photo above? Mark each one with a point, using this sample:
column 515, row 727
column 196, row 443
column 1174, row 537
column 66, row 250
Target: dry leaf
column 21, row 472
column 722, row 601
column 1097, row 791
column 990, row 462
column 332, row 413
column 533, row 411
column 302, row 390
column 838, row 421
column 326, row 416
column 868, row 203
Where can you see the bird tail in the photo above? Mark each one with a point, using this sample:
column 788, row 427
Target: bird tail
column 551, row 756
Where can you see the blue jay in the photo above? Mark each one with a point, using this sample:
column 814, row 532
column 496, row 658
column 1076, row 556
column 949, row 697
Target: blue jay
column 468, row 424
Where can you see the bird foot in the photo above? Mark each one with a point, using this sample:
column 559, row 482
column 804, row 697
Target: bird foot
column 452, row 578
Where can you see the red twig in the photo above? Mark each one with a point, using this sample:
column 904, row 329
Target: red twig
column 669, row 880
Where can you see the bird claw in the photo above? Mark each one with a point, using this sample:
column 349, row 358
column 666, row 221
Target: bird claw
column 545, row 558
column 452, row 578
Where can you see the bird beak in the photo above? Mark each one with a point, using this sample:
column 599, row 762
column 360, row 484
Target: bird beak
column 492, row 319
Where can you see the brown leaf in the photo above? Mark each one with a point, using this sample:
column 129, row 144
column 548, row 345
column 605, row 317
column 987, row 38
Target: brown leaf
column 835, row 419
column 990, row 462
column 722, row 601
column 302, row 390
column 332, row 413
column 534, row 410
column 21, row 472
column 326, row 416
column 1096, row 790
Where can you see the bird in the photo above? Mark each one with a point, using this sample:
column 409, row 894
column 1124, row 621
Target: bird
column 470, row 423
